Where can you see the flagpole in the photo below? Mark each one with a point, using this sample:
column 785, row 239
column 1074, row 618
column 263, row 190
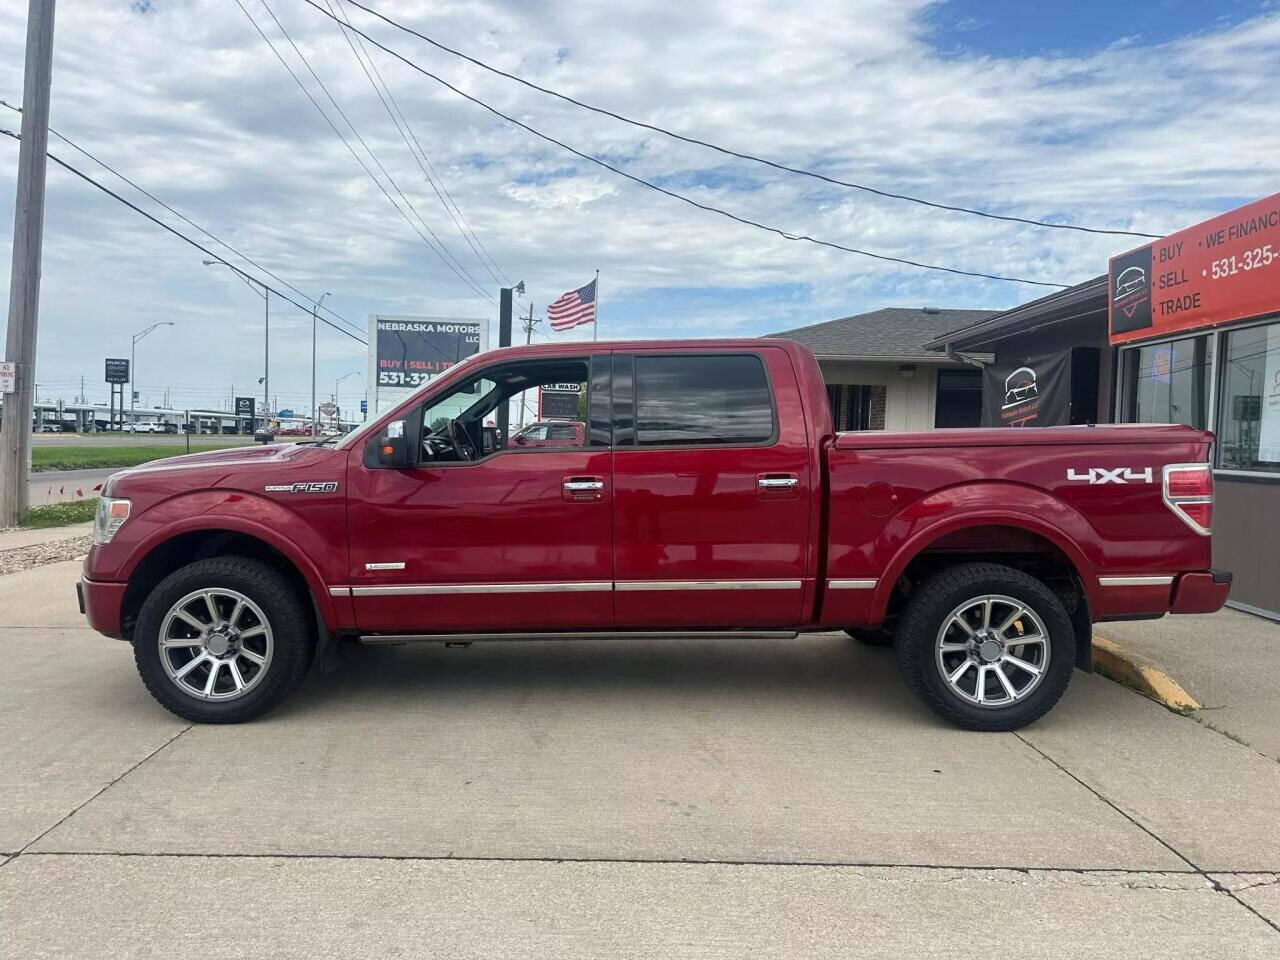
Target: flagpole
column 595, row 327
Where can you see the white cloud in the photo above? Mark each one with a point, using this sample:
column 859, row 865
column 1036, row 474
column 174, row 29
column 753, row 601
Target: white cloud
column 191, row 103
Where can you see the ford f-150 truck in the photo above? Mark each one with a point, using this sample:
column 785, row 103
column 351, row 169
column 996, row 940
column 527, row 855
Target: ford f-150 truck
column 711, row 498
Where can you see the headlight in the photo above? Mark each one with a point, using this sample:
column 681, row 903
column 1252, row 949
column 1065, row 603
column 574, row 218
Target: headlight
column 111, row 515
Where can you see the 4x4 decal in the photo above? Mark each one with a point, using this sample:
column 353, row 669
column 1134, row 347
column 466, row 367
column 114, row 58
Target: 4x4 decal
column 1100, row 475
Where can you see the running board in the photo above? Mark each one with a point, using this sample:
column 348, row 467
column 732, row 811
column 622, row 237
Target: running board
column 374, row 639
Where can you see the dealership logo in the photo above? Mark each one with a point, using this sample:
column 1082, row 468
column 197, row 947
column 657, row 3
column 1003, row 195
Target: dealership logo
column 327, row 486
column 1130, row 279
column 1101, row 475
column 1019, row 387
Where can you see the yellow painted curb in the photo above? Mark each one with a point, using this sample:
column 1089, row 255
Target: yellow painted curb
column 1140, row 674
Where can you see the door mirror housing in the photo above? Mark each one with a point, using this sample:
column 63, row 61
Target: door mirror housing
column 393, row 448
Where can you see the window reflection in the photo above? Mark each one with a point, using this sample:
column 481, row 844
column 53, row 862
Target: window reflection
column 702, row 400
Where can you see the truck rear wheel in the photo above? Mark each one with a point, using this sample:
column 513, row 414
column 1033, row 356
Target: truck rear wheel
column 223, row 640
column 986, row 646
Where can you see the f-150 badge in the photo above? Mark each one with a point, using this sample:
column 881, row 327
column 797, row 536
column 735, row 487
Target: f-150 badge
column 328, row 486
column 1100, row 475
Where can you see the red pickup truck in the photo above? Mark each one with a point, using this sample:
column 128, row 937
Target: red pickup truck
column 711, row 498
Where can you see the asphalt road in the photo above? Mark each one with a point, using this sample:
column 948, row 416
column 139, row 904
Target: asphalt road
column 649, row 799
column 55, row 486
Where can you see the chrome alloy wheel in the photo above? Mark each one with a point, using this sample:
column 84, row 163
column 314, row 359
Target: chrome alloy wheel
column 992, row 651
column 215, row 644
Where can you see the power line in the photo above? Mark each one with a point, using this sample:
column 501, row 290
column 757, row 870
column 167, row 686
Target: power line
column 406, row 131
column 146, row 193
column 444, row 256
column 736, row 153
column 182, row 236
column 786, row 235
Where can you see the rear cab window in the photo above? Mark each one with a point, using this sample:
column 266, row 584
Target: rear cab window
column 703, row 400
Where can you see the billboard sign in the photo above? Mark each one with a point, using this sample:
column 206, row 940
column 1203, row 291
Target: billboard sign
column 1224, row 269
column 559, row 401
column 328, row 409
column 406, row 352
column 245, row 406
column 117, row 370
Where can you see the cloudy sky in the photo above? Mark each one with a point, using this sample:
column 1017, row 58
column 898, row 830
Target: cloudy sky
column 1146, row 115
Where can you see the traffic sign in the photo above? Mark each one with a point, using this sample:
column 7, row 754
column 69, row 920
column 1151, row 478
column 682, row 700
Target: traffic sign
column 8, row 377
column 364, row 406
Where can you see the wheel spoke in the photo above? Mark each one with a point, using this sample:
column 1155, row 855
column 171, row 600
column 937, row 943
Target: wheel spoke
column 1004, row 682
column 212, row 606
column 169, row 642
column 1010, row 620
column 959, row 672
column 252, row 657
column 1034, row 638
column 1021, row 664
column 986, row 613
column 252, row 632
column 953, row 647
column 235, row 674
column 194, row 623
column 979, row 690
column 215, row 666
column 959, row 621
column 235, row 614
column 189, row 666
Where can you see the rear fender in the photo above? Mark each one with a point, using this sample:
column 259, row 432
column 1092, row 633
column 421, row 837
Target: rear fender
column 981, row 504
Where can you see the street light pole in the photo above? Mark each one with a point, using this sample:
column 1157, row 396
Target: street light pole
column 133, row 351
column 315, row 420
column 337, row 383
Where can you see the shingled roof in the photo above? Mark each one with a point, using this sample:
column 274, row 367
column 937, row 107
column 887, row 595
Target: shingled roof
column 894, row 333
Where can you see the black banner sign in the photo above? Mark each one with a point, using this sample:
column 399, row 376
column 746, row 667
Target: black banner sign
column 244, row 406
column 1031, row 392
column 117, row 370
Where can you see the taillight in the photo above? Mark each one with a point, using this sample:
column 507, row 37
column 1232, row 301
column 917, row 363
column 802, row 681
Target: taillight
column 1188, row 491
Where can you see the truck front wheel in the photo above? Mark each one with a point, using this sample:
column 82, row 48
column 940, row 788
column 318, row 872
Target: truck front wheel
column 223, row 640
column 986, row 646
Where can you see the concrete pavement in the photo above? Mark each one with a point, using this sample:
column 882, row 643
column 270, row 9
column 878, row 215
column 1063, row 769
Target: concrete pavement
column 723, row 798
column 1229, row 661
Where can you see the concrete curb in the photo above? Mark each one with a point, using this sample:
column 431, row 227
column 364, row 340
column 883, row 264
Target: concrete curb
column 1140, row 674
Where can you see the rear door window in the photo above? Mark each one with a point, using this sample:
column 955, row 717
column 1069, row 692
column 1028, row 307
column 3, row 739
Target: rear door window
column 703, row 399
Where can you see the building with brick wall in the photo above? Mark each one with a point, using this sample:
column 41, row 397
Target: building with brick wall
column 880, row 376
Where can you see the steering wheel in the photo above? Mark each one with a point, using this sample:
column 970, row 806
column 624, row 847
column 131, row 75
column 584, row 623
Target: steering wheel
column 463, row 445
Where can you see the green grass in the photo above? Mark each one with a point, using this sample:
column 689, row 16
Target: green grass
column 89, row 458
column 60, row 514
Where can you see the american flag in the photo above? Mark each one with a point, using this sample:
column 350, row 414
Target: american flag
column 573, row 309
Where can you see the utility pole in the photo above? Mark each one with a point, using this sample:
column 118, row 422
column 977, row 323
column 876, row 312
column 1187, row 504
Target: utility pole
column 528, row 338
column 24, row 286
column 315, row 307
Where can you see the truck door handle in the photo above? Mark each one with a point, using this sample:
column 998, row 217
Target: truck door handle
column 770, row 482
column 582, row 489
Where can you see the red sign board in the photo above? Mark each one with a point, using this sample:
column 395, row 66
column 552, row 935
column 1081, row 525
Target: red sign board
column 1224, row 269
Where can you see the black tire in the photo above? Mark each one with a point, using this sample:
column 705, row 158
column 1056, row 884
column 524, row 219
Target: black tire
column 293, row 639
column 930, row 607
column 871, row 638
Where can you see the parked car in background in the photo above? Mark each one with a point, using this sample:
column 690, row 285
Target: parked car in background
column 552, row 433
column 144, row 427
column 712, row 497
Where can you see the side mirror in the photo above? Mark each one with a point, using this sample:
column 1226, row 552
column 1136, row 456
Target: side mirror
column 393, row 449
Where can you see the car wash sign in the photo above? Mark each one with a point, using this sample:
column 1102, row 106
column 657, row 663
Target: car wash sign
column 1030, row 392
column 1224, row 269
column 406, row 352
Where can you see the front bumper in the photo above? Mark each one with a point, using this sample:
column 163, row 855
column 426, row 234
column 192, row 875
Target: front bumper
column 1201, row 592
column 102, row 604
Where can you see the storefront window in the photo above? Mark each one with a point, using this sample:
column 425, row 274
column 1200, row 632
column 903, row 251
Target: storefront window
column 1169, row 382
column 1249, row 422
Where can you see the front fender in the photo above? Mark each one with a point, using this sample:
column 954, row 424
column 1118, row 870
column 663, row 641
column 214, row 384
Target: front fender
column 299, row 539
column 984, row 503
